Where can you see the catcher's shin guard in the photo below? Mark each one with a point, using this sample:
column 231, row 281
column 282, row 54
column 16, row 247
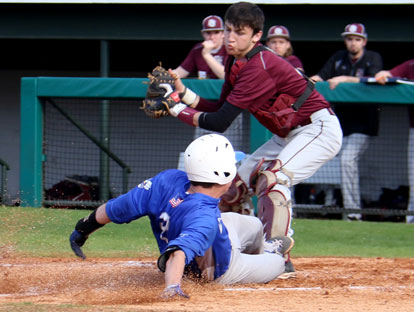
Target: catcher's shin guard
column 274, row 212
column 274, row 204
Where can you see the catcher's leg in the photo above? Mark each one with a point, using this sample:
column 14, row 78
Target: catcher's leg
column 274, row 199
column 275, row 206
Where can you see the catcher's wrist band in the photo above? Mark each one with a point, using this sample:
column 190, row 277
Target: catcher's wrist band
column 188, row 96
column 187, row 116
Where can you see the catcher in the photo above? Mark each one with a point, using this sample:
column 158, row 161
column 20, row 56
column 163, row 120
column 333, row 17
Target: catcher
column 306, row 131
column 190, row 231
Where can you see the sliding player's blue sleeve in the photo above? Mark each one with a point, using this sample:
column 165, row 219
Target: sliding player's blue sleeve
column 197, row 234
column 149, row 198
column 130, row 206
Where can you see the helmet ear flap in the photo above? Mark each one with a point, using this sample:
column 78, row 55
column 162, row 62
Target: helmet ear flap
column 210, row 158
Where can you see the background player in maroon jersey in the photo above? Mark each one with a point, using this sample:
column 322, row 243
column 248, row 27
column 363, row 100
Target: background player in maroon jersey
column 206, row 58
column 278, row 39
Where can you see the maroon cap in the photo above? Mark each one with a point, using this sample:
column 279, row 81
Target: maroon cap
column 212, row 22
column 355, row 29
column 278, row 31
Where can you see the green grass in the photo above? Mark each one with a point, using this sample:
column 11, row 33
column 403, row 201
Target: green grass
column 45, row 232
column 359, row 239
column 42, row 232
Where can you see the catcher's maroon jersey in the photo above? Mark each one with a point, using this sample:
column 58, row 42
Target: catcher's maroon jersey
column 262, row 79
column 194, row 62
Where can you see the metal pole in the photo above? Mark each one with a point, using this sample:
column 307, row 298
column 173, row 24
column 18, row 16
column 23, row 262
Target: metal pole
column 125, row 180
column 4, row 167
column 3, row 185
column 104, row 159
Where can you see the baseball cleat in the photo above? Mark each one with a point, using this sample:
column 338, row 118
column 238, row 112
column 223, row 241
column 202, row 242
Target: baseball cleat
column 289, row 271
column 279, row 244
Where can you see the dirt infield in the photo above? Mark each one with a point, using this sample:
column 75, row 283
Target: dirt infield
column 322, row 284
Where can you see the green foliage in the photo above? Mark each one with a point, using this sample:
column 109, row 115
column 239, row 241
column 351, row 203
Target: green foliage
column 45, row 232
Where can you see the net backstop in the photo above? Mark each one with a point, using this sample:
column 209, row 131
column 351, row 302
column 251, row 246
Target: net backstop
column 84, row 140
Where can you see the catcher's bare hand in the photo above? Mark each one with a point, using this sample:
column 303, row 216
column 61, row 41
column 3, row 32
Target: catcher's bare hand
column 187, row 96
column 178, row 84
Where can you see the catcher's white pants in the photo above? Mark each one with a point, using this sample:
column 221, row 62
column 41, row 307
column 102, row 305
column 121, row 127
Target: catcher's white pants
column 248, row 263
column 410, row 219
column 302, row 152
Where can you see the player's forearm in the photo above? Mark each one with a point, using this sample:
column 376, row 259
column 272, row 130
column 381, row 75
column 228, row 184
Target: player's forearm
column 181, row 72
column 175, row 268
column 335, row 81
column 101, row 216
column 215, row 66
column 350, row 79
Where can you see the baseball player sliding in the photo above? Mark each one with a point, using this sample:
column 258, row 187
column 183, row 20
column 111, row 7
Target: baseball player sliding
column 307, row 132
column 188, row 226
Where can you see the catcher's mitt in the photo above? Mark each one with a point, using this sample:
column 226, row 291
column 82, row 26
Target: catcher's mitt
column 153, row 104
column 157, row 107
column 158, row 75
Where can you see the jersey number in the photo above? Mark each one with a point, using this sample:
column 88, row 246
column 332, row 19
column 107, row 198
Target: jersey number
column 164, row 225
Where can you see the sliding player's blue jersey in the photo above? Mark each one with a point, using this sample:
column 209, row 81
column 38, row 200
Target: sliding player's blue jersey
column 190, row 221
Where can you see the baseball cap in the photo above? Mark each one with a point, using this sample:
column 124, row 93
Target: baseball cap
column 212, row 22
column 278, row 31
column 355, row 29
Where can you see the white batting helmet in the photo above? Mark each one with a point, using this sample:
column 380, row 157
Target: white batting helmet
column 210, row 158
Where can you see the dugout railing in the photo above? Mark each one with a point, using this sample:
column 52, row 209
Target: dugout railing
column 50, row 106
column 160, row 141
